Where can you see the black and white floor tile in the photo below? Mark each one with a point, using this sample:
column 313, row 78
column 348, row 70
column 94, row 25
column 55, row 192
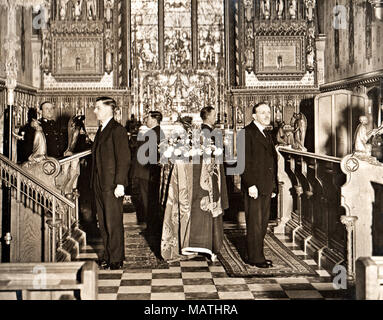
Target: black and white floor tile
column 202, row 279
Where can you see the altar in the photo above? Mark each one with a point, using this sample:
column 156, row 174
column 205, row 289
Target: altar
column 193, row 198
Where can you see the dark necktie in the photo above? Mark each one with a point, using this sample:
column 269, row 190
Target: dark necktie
column 268, row 136
column 96, row 138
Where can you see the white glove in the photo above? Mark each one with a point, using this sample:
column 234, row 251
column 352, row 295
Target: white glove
column 119, row 191
column 253, row 192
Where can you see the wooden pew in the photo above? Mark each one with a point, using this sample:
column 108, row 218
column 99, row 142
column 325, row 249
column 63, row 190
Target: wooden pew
column 369, row 278
column 49, row 281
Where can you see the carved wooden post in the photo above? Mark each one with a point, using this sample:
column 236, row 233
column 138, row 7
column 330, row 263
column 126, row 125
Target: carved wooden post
column 299, row 192
column 349, row 222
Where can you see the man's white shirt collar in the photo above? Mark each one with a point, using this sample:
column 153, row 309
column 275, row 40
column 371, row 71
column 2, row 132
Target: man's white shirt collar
column 260, row 127
column 105, row 123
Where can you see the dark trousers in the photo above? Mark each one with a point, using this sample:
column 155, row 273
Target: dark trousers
column 257, row 218
column 149, row 193
column 110, row 220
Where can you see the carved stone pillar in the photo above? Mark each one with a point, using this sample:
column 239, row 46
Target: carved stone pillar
column 349, row 222
column 249, row 36
column 12, row 46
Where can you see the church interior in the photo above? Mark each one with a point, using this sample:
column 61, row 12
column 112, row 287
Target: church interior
column 317, row 63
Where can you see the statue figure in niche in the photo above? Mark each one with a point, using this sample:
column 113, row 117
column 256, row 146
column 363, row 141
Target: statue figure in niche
column 78, row 64
column 108, row 61
column 109, row 10
column 78, row 9
column 62, row 12
column 362, row 135
column 311, row 36
column 310, row 58
column 265, row 9
column 310, row 4
column 248, row 10
column 279, row 62
column 46, row 54
column 299, row 123
column 91, row 8
column 249, row 59
column 280, row 6
column 293, row 9
column 47, row 11
column 46, row 61
column 249, row 34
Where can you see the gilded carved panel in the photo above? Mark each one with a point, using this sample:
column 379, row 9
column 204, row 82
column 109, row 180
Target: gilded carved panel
column 78, row 58
column 279, row 58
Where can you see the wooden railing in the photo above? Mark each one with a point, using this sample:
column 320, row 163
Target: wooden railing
column 49, row 281
column 29, row 196
column 369, row 278
column 312, row 204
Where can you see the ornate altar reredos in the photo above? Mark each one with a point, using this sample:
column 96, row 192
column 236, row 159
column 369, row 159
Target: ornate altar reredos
column 178, row 55
column 279, row 58
column 79, row 43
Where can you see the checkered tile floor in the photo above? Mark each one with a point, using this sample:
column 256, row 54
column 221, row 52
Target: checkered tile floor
column 202, row 279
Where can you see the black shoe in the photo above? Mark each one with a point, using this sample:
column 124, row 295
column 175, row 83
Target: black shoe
column 116, row 265
column 103, row 264
column 263, row 265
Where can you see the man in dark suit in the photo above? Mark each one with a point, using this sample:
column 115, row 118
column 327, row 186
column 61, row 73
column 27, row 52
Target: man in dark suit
column 56, row 143
column 27, row 132
column 110, row 166
column 259, row 182
column 148, row 177
column 208, row 115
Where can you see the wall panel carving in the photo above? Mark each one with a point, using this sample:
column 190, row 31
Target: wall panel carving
column 275, row 40
column 80, row 43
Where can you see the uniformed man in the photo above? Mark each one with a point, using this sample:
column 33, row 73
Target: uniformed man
column 56, row 143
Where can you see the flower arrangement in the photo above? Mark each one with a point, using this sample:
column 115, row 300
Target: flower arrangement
column 188, row 143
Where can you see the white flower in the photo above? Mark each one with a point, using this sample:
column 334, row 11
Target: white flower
column 193, row 152
column 218, row 152
column 186, row 154
column 167, row 153
column 177, row 152
column 208, row 151
column 171, row 149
